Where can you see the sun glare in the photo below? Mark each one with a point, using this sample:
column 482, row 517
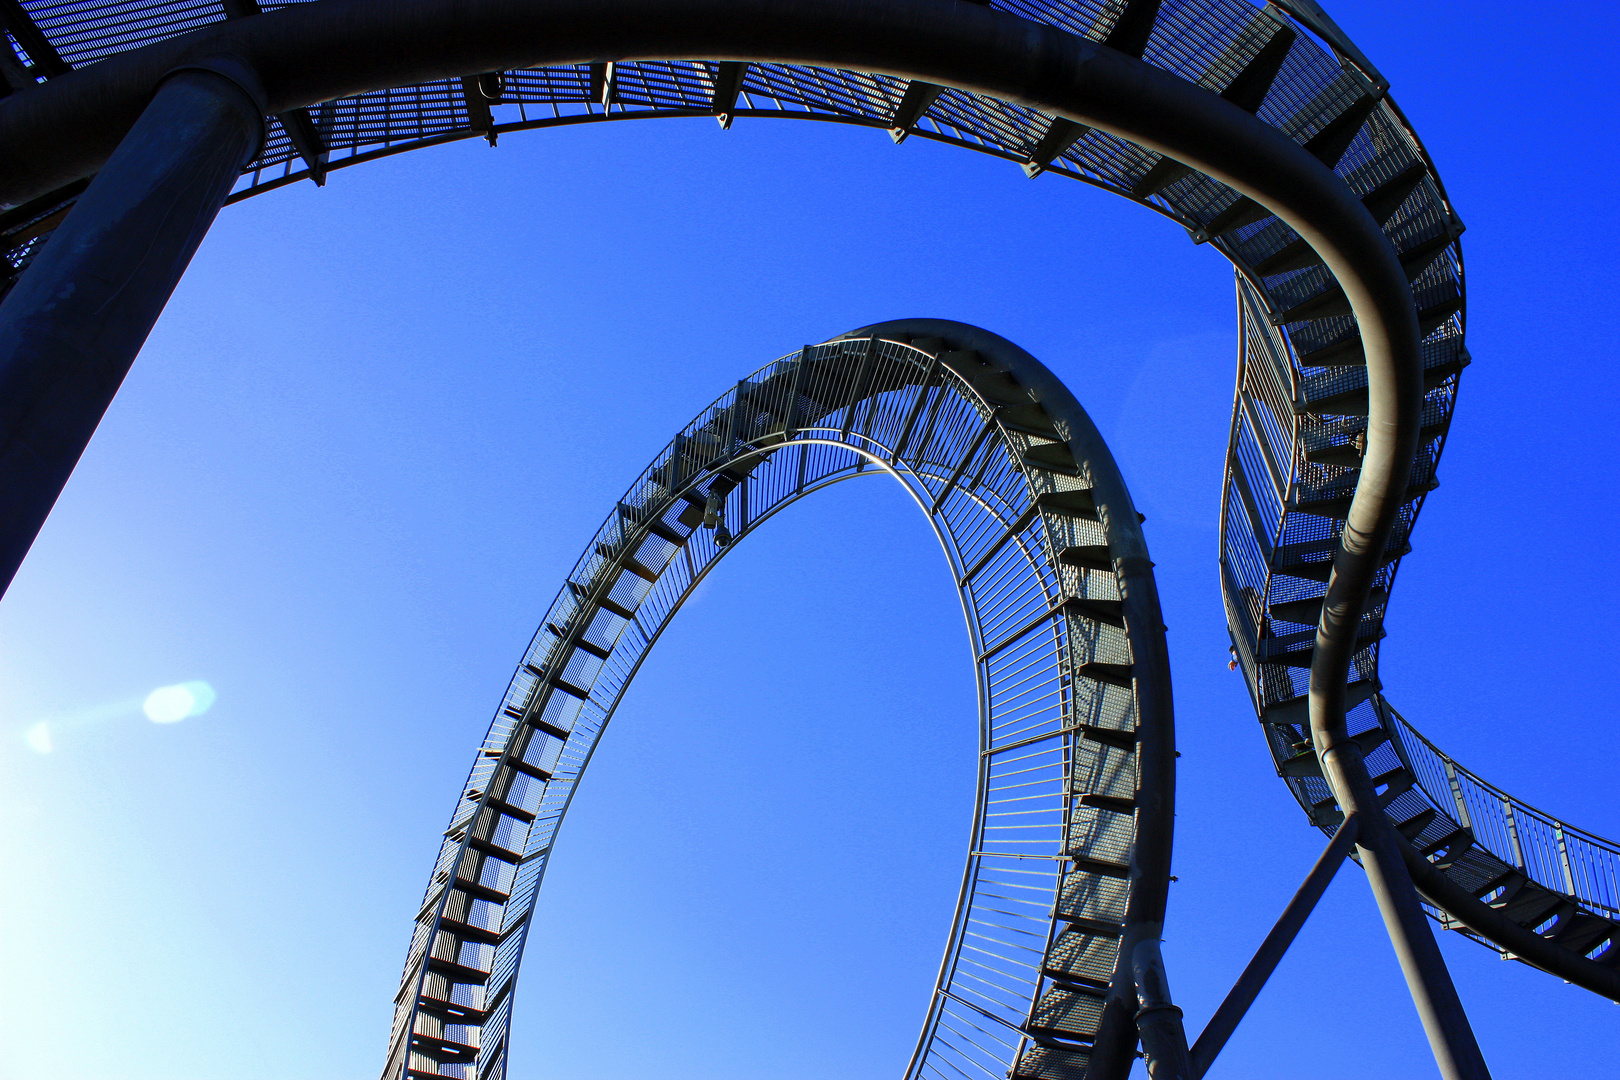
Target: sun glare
column 170, row 704
column 39, row 737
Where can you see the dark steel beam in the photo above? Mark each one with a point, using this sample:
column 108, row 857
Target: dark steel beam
column 913, row 103
column 297, row 123
column 1060, row 134
column 1134, row 26
column 479, row 118
column 306, row 139
column 1249, row 984
column 41, row 53
column 728, row 80
column 71, row 327
column 1158, row 1021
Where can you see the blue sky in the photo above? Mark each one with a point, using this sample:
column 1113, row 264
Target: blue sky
column 379, row 420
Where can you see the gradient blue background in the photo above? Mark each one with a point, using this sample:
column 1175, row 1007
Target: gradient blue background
column 378, row 421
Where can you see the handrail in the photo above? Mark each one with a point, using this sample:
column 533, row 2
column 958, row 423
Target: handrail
column 1552, row 852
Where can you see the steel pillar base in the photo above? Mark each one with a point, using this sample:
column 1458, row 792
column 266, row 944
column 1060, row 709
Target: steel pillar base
column 1456, row 1051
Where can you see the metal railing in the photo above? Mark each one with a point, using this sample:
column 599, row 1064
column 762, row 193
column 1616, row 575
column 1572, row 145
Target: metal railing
column 1552, row 853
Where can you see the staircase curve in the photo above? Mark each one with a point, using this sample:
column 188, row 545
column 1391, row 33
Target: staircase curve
column 1069, row 860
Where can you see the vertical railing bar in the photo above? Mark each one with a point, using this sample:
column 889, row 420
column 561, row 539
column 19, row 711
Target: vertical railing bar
column 1463, row 818
column 1513, row 835
column 1563, row 859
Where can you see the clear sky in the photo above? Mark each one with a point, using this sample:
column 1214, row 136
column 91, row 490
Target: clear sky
column 379, row 421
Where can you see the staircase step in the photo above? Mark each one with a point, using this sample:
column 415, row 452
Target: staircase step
column 444, row 1051
column 1330, row 143
column 1111, row 612
column 494, row 850
column 666, row 533
column 1059, row 136
column 1080, row 504
column 612, row 555
column 1297, row 710
column 1165, row 171
column 1115, row 737
column 1028, row 418
column 1087, row 556
column 1322, row 569
column 1053, row 457
column 1110, row 803
column 1087, row 925
column 1052, row 1063
column 1353, row 402
column 510, row 810
column 1399, row 782
column 1308, row 764
column 468, row 932
column 1394, row 778
column 1383, row 200
column 458, row 972
column 1112, row 674
column 526, row 769
column 450, row 1012
column 1249, row 87
column 1301, row 658
column 1328, row 303
column 1308, row 612
column 1105, row 867
column 1349, row 351
column 1448, row 843
column 480, row 892
column 1245, row 211
column 1510, row 879
column 1345, row 455
column 1338, row 506
column 1414, row 825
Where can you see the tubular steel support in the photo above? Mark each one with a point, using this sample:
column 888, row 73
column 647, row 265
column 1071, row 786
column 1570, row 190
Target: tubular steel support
column 1164, row 1040
column 1254, row 977
column 1451, row 1038
column 71, row 327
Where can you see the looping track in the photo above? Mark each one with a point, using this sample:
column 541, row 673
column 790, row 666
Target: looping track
column 1056, row 588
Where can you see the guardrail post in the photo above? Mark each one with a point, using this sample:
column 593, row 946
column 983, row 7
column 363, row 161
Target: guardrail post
column 1463, row 818
column 1563, row 858
column 72, row 325
column 1513, row 836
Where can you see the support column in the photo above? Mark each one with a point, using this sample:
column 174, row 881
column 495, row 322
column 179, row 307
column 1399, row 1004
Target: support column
column 1451, row 1038
column 72, row 325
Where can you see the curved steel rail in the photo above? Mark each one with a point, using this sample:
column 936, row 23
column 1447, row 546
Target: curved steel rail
column 1263, row 130
column 1076, row 737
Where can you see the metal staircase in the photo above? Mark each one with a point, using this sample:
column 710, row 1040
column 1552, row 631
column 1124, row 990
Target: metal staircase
column 1046, row 894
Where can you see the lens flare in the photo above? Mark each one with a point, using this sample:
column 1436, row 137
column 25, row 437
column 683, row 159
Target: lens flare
column 39, row 737
column 171, row 704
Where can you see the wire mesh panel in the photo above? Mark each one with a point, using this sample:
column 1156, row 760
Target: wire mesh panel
column 1020, row 986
